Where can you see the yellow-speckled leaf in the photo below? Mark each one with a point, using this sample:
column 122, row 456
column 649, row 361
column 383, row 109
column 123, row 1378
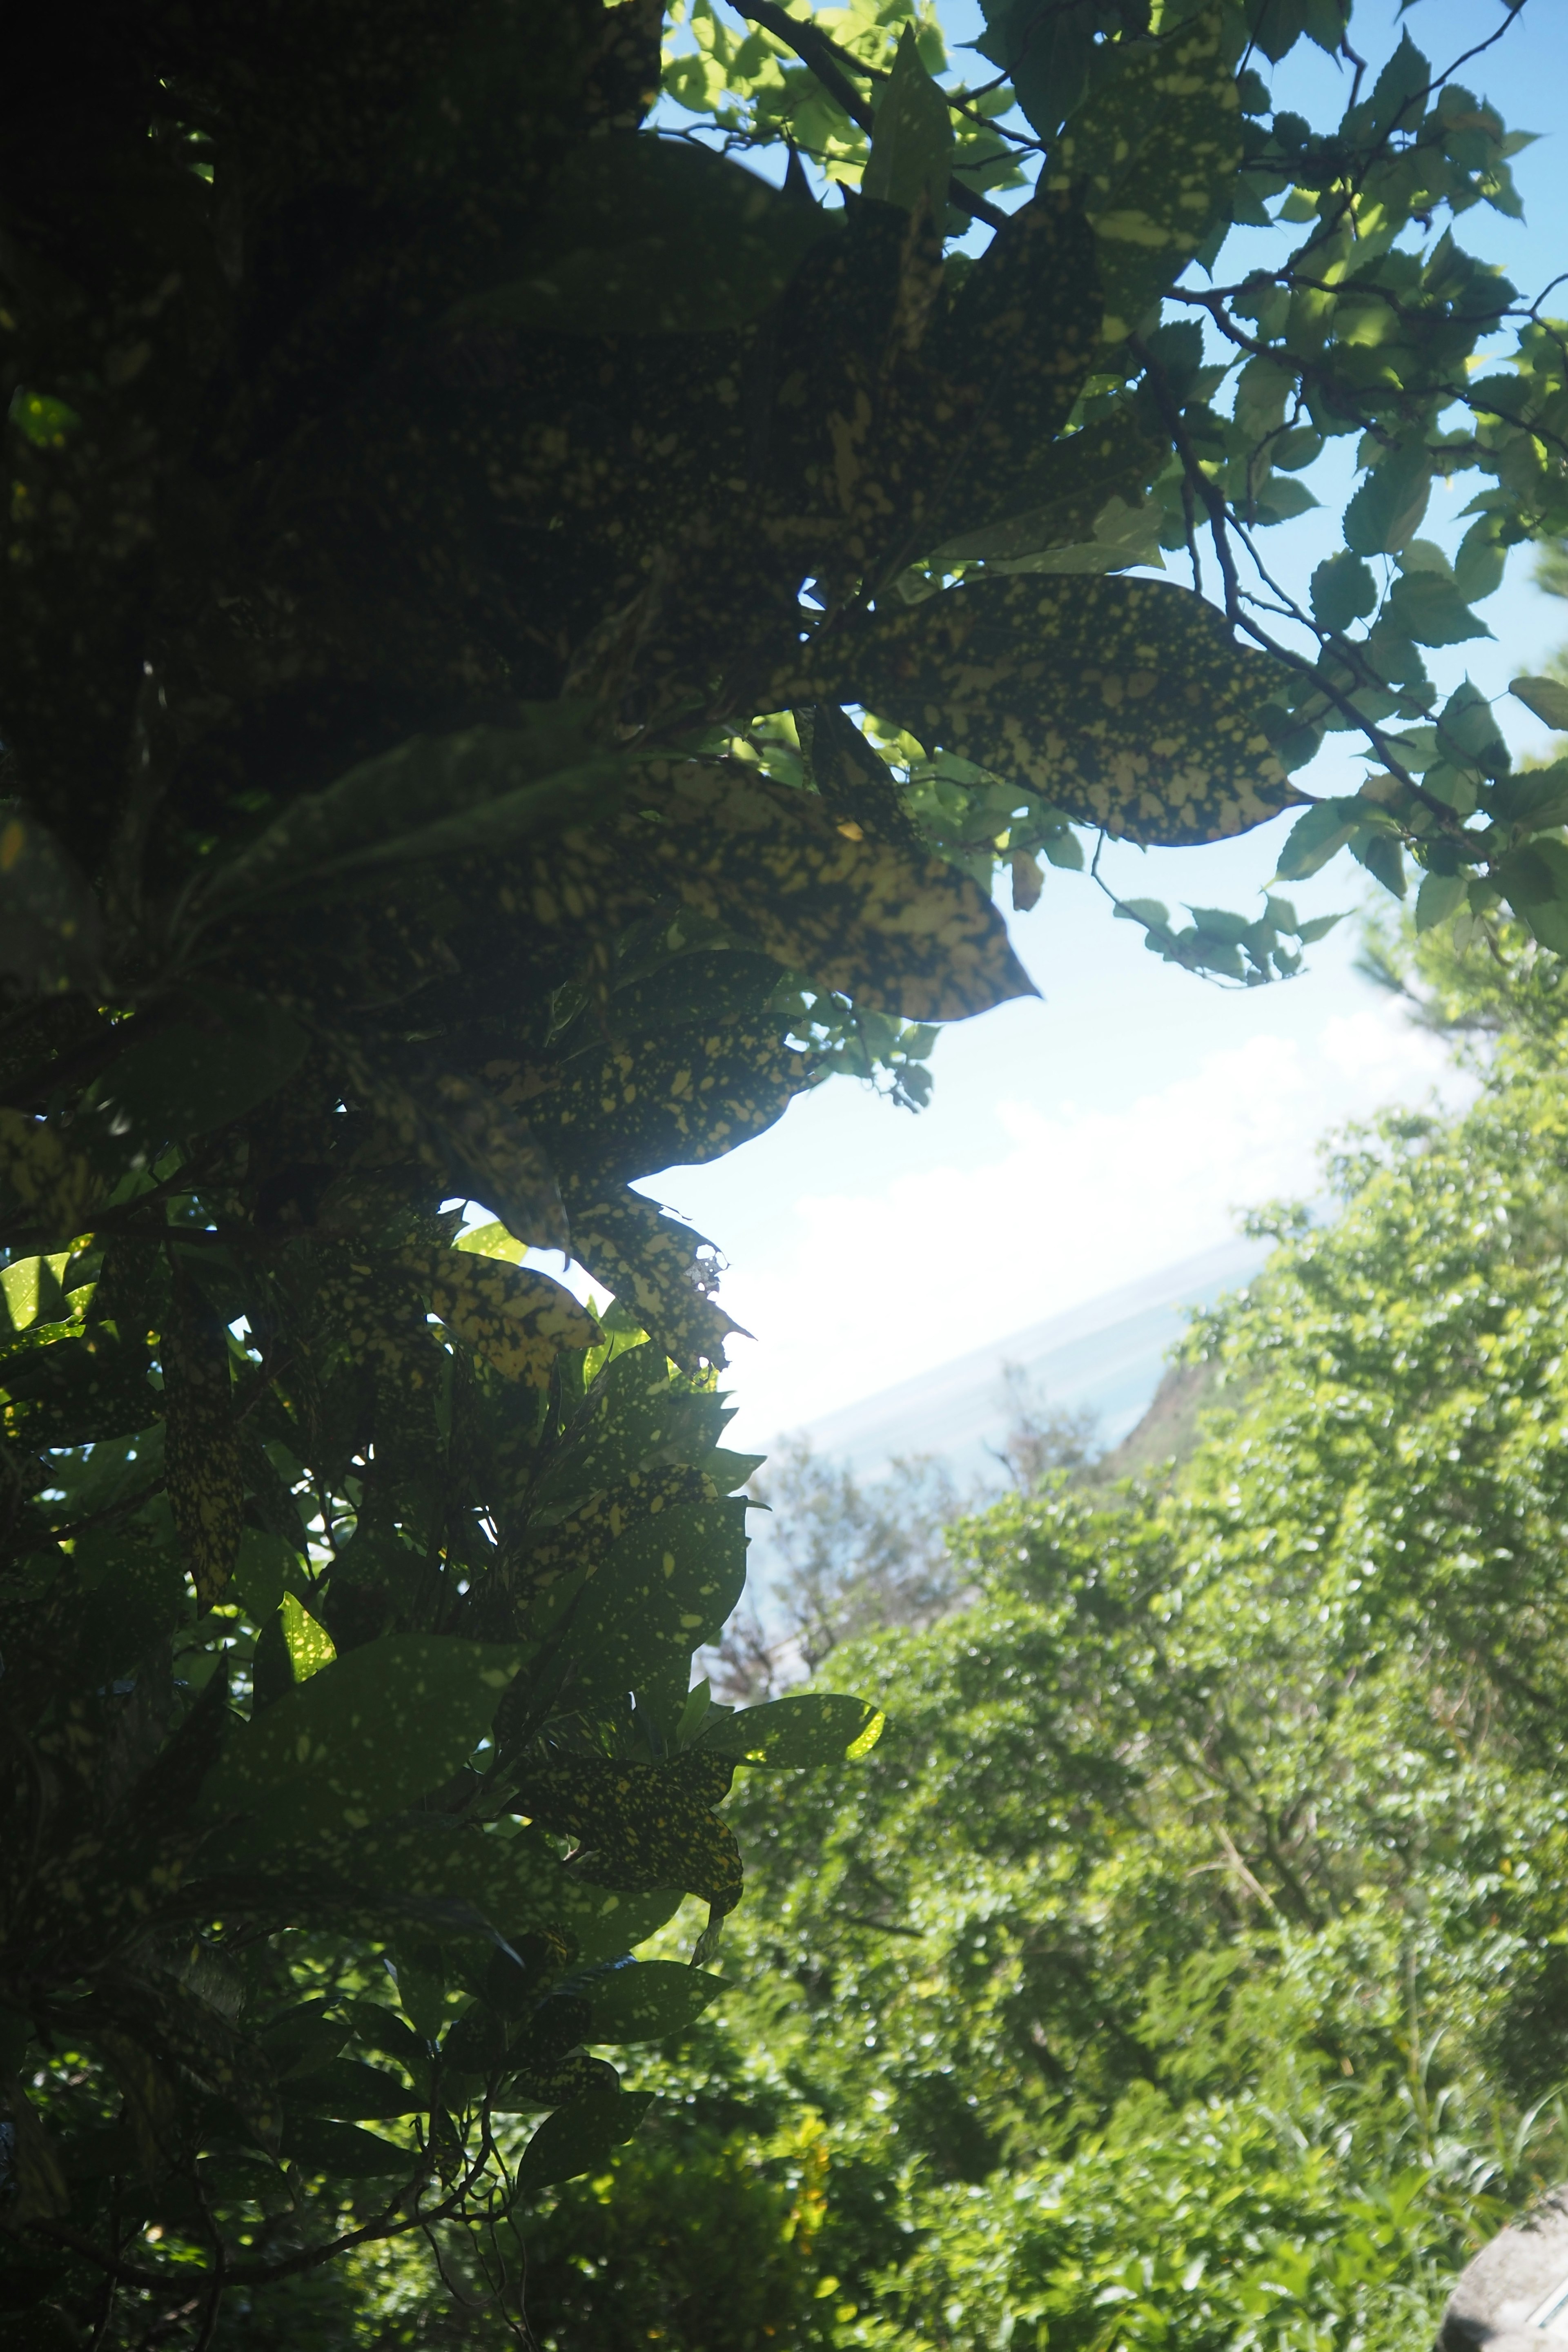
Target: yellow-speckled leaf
column 1152, row 155
column 897, row 933
column 626, row 1109
column 309, row 1645
column 658, row 1268
column 1126, row 702
column 201, row 1446
column 519, row 1321
column 644, row 1825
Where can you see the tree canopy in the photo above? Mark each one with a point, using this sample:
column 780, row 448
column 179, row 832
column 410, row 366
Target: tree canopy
column 1186, row 1963
column 523, row 643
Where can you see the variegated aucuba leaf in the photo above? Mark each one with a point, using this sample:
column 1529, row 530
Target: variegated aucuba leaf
column 518, row 1320
column 1017, row 343
column 453, row 1125
column 642, row 1825
column 201, row 1450
column 662, row 1270
column 1127, row 703
column 1151, row 156
column 897, row 932
column 618, row 1110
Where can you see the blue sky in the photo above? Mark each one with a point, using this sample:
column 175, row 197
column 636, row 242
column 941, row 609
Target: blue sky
column 1115, row 1125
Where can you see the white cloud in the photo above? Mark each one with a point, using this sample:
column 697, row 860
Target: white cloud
column 865, row 1288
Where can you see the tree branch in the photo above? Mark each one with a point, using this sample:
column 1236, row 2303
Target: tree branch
column 832, row 66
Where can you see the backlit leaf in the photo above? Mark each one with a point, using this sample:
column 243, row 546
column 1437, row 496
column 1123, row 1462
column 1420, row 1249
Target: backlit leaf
column 1127, row 703
column 519, row 1321
column 814, row 1728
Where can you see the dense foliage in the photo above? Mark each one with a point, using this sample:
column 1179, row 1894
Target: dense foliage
column 1187, row 1963
column 450, row 525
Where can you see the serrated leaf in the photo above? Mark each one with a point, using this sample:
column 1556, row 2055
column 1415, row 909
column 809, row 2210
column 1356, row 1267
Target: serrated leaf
column 1316, row 837
column 1127, row 703
column 1440, row 895
column 1534, row 880
column 648, row 2001
column 813, row 1727
column 1428, row 609
column 1343, row 590
column 1386, row 512
column 1546, row 696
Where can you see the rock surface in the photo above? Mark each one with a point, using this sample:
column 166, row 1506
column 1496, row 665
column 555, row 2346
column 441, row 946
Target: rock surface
column 1498, row 2302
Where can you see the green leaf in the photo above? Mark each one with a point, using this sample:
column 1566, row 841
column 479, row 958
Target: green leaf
column 317, row 2145
column 649, row 235
column 1154, row 151
column 321, row 1754
column 1440, row 895
column 1381, row 855
column 1546, row 696
column 814, row 1727
column 354, row 2092
column 1386, row 512
column 309, row 1645
column 1127, row 703
column 434, row 795
column 580, row 2137
column 648, row 2001
column 30, row 1290
column 77, row 1391
column 1343, row 590
column 45, row 1178
column 911, row 145
column 51, row 932
column 660, row 1591
column 1534, row 880
column 1427, row 607
column 1318, row 835
column 263, row 1562
column 1056, row 503
column 225, row 1054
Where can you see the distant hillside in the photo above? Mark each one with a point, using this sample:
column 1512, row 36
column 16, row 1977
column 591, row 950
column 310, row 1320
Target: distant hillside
column 1107, row 1356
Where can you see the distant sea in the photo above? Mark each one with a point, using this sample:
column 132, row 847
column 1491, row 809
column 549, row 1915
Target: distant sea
column 1105, row 1356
